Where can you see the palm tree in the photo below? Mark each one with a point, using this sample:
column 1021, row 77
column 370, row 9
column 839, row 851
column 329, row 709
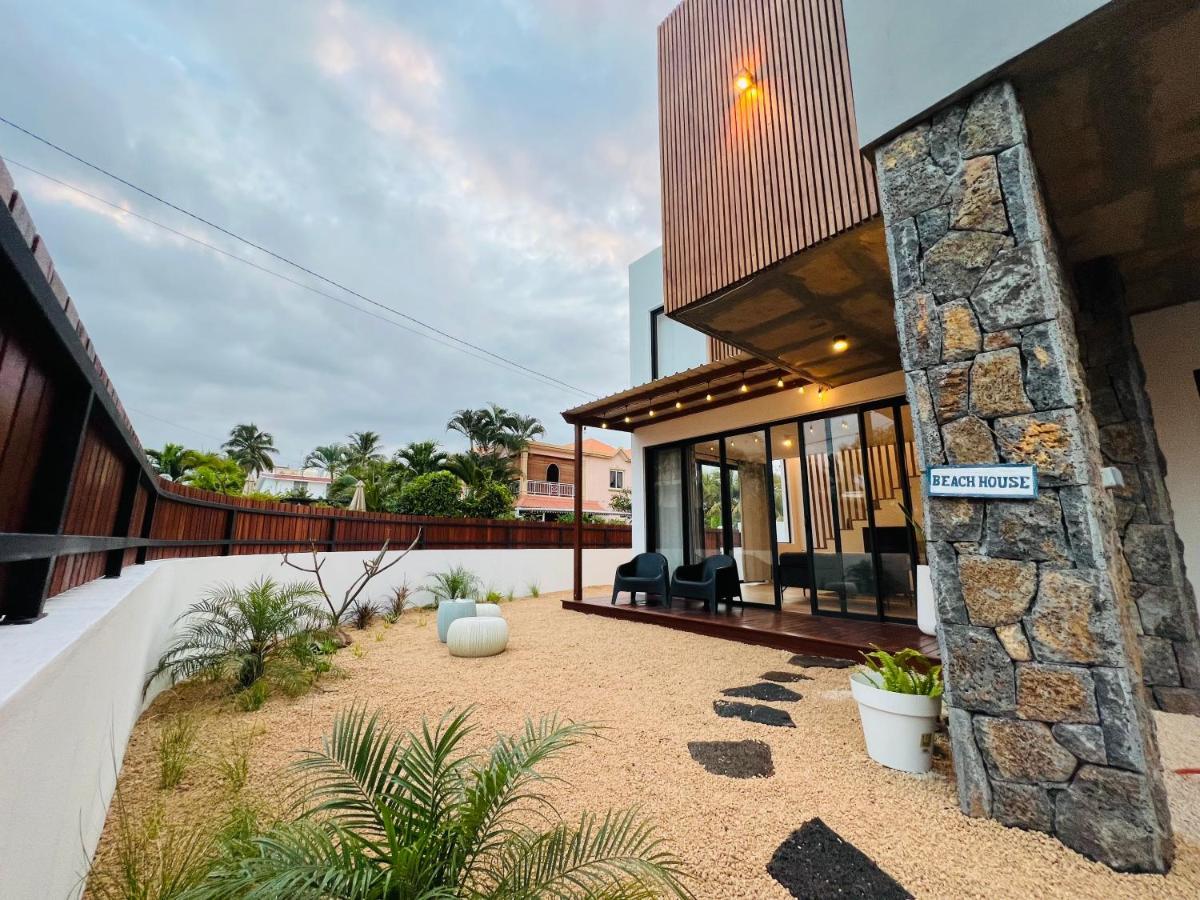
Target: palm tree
column 473, row 424
column 173, row 461
column 393, row 815
column 475, row 469
column 420, row 458
column 329, row 457
column 236, row 631
column 251, row 448
column 362, row 447
column 520, row 430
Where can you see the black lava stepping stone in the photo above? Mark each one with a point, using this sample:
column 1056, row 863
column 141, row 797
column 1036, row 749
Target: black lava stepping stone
column 815, row 863
column 820, row 662
column 753, row 712
column 734, row 759
column 764, row 690
column 784, row 676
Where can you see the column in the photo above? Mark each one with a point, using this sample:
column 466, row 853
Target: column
column 1048, row 722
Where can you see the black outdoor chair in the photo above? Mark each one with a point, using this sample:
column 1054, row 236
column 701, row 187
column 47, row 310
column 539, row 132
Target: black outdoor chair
column 712, row 581
column 646, row 572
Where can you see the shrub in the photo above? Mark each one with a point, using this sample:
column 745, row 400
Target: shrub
column 364, row 614
column 413, row 815
column 398, row 602
column 435, row 494
column 456, row 583
column 253, row 697
column 234, row 632
column 176, row 749
column 535, row 589
column 489, row 500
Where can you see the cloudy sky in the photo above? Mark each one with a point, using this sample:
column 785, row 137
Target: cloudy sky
column 488, row 167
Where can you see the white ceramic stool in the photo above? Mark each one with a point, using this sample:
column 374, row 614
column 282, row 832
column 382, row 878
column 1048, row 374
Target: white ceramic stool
column 487, row 610
column 476, row 636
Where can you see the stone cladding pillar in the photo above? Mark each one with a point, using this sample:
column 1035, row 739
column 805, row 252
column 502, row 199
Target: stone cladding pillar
column 1116, row 382
column 1048, row 723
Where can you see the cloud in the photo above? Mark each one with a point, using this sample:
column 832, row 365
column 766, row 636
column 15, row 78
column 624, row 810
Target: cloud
column 491, row 169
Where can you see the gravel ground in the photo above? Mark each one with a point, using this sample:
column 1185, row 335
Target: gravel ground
column 654, row 690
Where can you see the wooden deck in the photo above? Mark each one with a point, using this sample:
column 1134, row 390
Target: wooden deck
column 792, row 630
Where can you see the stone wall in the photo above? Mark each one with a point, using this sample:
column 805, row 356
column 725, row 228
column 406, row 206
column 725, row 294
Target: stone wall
column 1048, row 722
column 1153, row 551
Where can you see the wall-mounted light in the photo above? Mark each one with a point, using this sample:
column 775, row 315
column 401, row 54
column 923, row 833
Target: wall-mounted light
column 743, row 81
column 840, row 344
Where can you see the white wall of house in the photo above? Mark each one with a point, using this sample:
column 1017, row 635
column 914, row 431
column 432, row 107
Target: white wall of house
column 71, row 687
column 787, row 403
column 679, row 347
column 1166, row 341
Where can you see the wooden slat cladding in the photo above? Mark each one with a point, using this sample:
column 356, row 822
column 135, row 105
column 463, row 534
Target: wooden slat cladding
column 719, row 350
column 750, row 180
column 26, row 403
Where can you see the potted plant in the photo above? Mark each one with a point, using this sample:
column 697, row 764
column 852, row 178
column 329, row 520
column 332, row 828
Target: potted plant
column 452, row 592
column 899, row 702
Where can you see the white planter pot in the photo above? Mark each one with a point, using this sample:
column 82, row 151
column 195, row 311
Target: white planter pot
column 898, row 728
column 926, row 607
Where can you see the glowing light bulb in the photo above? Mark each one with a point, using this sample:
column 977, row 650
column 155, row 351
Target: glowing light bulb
column 800, row 390
column 679, row 404
column 787, row 442
column 603, row 424
column 779, row 383
column 708, row 397
column 628, row 420
column 744, row 388
column 652, row 414
column 840, row 344
column 743, row 81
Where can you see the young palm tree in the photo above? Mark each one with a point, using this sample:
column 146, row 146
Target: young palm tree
column 251, row 448
column 329, row 457
column 390, row 815
column 235, row 632
column 473, row 469
column 522, row 430
column 420, row 458
column 173, row 461
column 362, row 447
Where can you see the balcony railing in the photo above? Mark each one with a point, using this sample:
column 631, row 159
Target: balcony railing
column 550, row 488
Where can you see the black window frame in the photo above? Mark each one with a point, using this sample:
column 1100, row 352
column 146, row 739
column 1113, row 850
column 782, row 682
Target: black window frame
column 895, row 404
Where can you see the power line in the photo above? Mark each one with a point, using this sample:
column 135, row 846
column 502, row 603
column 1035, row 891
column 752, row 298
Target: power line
column 491, row 359
column 284, row 259
column 142, row 413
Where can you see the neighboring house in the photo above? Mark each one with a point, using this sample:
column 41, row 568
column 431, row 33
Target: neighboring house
column 979, row 255
column 547, row 486
column 284, row 481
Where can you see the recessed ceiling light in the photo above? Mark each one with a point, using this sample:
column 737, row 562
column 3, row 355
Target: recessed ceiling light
column 840, row 344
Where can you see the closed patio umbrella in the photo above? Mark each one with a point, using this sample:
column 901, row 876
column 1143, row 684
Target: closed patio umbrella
column 359, row 500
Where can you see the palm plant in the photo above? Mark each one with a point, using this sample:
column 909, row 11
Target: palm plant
column 173, row 461
column 474, row 469
column 456, row 583
column 330, row 458
column 235, row 632
column 362, row 447
column 420, row 458
column 251, row 448
column 521, row 430
column 390, row 815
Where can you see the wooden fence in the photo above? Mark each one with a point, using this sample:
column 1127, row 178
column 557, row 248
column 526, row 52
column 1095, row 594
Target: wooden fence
column 78, row 498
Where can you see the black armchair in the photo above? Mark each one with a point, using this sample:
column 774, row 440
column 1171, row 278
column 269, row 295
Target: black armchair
column 646, row 572
column 712, row 581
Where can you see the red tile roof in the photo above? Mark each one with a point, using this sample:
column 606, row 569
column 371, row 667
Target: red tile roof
column 558, row 504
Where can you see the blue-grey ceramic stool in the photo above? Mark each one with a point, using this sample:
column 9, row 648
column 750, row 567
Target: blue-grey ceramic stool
column 449, row 610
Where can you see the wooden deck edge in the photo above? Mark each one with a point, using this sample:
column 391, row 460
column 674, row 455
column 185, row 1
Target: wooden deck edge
column 710, row 628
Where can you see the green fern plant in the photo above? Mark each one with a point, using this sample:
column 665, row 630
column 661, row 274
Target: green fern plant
column 907, row 672
column 390, row 815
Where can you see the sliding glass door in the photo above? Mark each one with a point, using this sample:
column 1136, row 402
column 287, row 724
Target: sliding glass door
column 818, row 512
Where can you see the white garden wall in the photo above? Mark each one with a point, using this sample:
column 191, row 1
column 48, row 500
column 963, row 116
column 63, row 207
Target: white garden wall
column 71, row 686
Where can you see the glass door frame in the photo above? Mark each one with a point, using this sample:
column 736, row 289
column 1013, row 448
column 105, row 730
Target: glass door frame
column 894, row 405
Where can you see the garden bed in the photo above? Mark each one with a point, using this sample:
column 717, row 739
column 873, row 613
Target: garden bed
column 654, row 689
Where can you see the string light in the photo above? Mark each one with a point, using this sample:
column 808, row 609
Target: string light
column 603, row 424
column 628, row 420
column 652, row 414
column 744, row 388
column 779, row 383
column 708, row 397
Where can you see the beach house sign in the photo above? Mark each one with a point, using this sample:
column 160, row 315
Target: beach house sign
column 999, row 482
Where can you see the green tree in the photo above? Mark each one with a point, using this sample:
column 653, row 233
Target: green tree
column 393, row 815
column 488, row 500
column 420, row 458
column 251, row 448
column 331, row 458
column 622, row 502
column 520, row 430
column 214, row 472
column 173, row 461
column 474, row 469
column 474, row 425
column 435, row 494
column 362, row 447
